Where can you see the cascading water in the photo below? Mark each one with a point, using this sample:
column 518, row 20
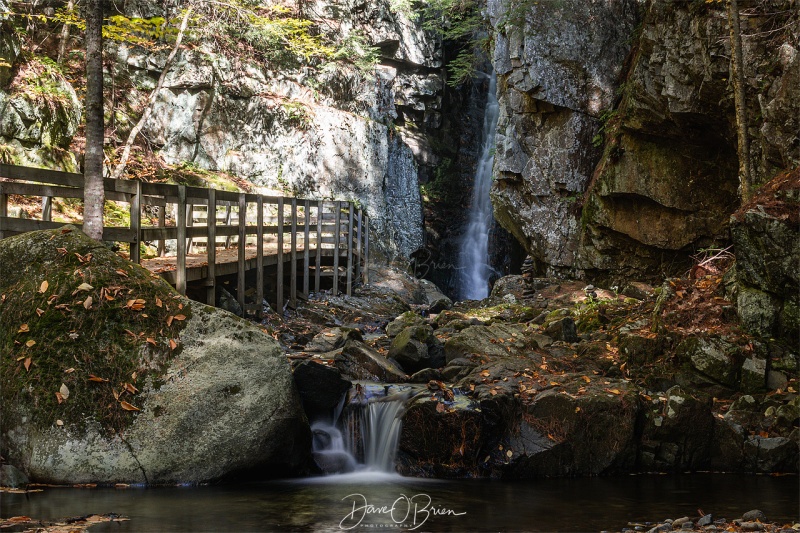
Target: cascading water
column 474, row 261
column 370, row 430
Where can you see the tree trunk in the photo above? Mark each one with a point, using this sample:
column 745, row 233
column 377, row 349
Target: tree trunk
column 737, row 75
column 94, row 197
column 64, row 39
column 148, row 110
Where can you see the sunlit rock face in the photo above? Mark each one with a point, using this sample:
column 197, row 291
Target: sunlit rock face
column 335, row 133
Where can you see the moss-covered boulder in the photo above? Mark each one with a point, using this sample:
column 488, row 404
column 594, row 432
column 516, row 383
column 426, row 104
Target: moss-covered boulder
column 108, row 375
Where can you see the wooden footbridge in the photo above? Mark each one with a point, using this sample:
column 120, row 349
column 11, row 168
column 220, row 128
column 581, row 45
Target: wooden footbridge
column 215, row 236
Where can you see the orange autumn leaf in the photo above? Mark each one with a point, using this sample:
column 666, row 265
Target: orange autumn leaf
column 30, row 343
column 128, row 407
column 97, row 379
column 180, row 317
column 27, row 364
column 23, row 328
column 170, row 318
column 172, row 344
column 130, row 388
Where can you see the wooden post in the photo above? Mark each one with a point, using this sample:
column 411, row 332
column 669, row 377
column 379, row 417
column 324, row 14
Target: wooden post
column 293, row 271
column 260, row 256
column 136, row 222
column 162, row 222
column 189, row 224
column 47, row 208
column 337, row 236
column 306, row 231
column 242, row 244
column 279, row 266
column 359, row 248
column 3, row 210
column 211, row 248
column 350, row 248
column 318, row 255
column 228, row 220
column 180, row 275
column 366, row 249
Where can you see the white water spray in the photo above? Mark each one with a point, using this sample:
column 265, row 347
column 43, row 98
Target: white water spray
column 474, row 261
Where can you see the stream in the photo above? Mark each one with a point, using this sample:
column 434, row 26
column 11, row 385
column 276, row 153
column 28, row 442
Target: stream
column 327, row 504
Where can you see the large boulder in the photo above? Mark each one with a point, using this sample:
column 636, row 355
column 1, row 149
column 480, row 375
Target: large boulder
column 359, row 361
column 151, row 388
column 416, row 348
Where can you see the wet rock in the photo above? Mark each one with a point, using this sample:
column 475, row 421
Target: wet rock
column 12, row 477
column 776, row 380
column 680, row 432
column 483, row 341
column 514, row 285
column 678, row 522
column 436, row 299
column 753, row 375
column 638, row 290
column 332, row 339
column 727, row 448
column 416, row 348
column 407, row 319
column 226, row 301
column 359, row 361
column 751, row 526
column 755, row 514
column 321, row 388
column 425, row 375
column 705, row 520
column 563, row 330
column 639, row 348
column 713, row 357
column 771, row 454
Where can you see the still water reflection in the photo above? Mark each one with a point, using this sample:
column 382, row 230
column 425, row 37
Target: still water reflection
column 364, row 502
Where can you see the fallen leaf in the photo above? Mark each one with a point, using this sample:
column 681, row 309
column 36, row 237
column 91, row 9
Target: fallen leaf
column 39, row 312
column 84, row 287
column 87, row 303
column 169, row 320
column 128, row 407
column 493, row 392
column 23, row 328
column 43, row 286
column 59, row 422
column 97, row 379
column 115, row 393
column 440, row 408
column 121, row 273
column 69, row 370
column 59, row 398
column 485, row 373
column 62, row 251
column 130, row 388
column 27, row 364
column 586, row 379
column 30, row 343
column 180, row 317
column 172, row 344
column 64, row 391
column 151, row 340
column 509, row 454
column 614, row 391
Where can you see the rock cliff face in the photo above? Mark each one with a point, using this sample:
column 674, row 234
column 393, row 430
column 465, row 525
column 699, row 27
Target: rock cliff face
column 39, row 110
column 336, row 133
column 617, row 144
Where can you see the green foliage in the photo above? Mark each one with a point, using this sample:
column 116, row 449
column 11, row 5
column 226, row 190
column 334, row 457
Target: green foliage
column 296, row 114
column 457, row 21
column 605, row 119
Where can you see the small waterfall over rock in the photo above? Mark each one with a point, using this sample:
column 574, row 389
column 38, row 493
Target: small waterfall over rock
column 366, row 435
column 474, row 260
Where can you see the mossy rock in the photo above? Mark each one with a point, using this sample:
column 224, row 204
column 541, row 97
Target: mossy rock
column 407, row 319
column 155, row 389
column 72, row 309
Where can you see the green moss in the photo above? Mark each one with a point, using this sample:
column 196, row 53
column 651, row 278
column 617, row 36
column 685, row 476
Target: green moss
column 67, row 340
column 194, row 176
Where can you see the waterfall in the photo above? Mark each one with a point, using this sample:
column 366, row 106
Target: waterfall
column 474, row 265
column 368, row 429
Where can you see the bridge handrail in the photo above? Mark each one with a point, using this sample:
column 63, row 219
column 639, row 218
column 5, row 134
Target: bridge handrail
column 330, row 228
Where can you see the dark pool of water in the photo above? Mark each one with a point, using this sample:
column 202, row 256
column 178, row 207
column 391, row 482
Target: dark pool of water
column 332, row 504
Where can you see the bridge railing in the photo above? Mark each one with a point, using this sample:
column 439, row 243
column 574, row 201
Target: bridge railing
column 263, row 229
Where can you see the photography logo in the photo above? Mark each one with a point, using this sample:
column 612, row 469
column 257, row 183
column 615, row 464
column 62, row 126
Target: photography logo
column 406, row 512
